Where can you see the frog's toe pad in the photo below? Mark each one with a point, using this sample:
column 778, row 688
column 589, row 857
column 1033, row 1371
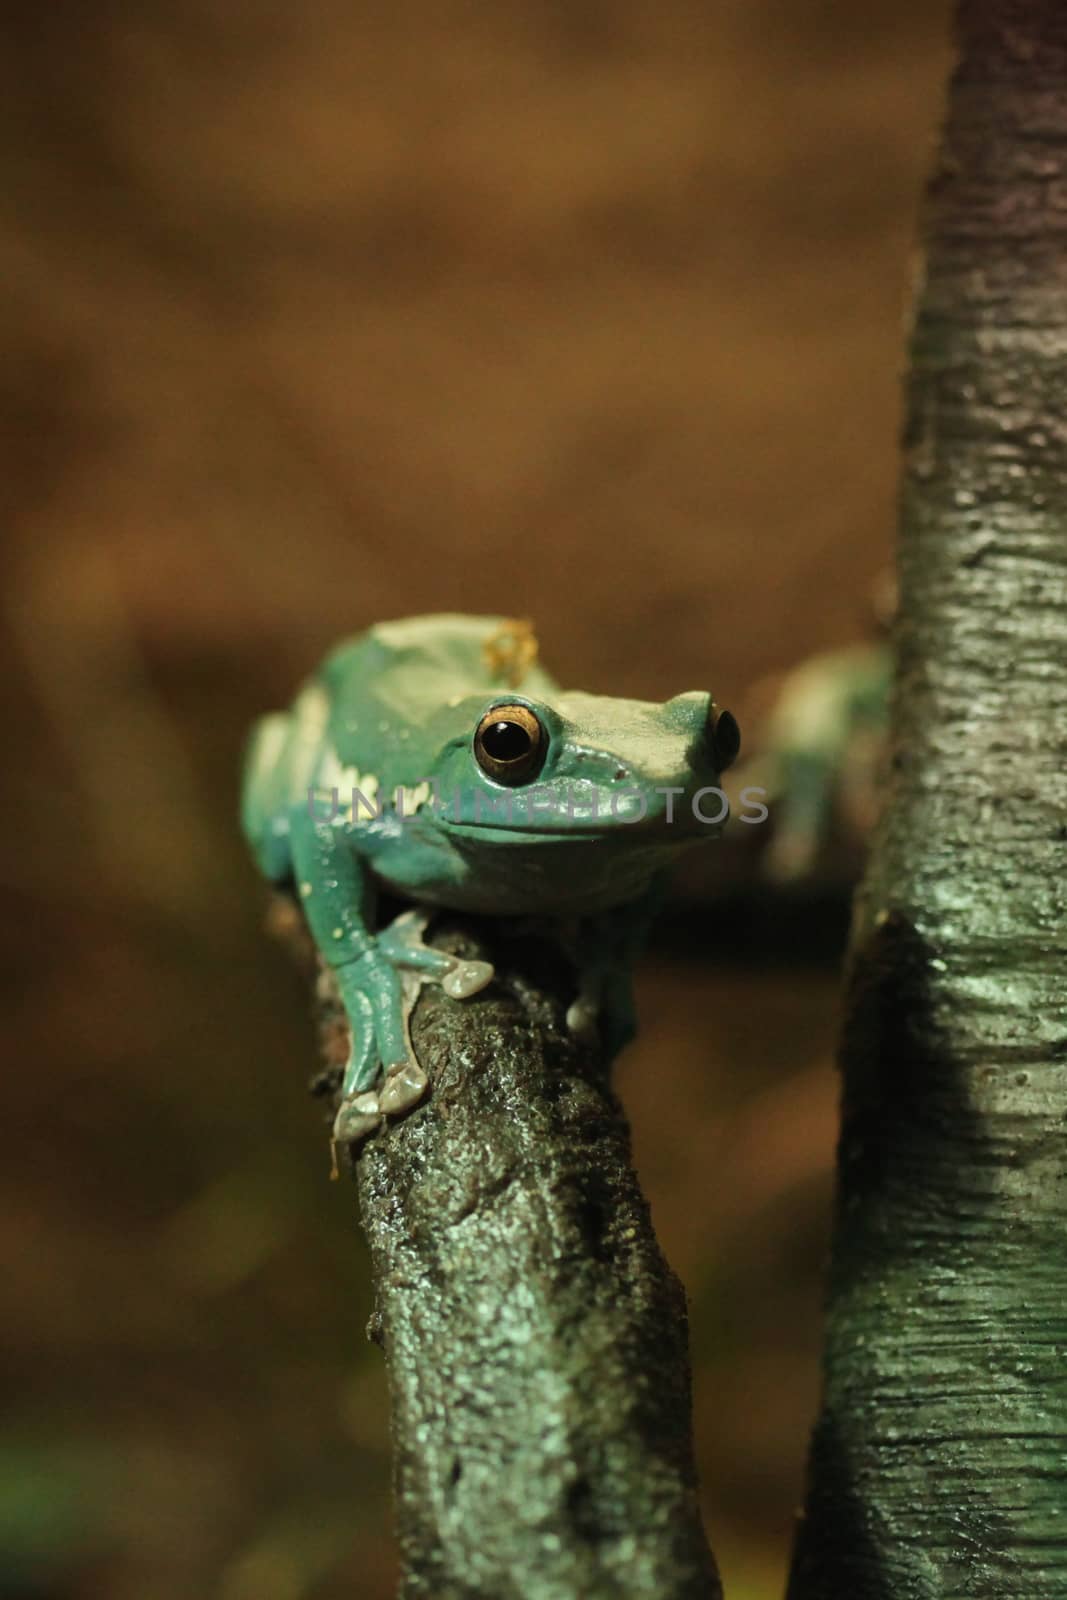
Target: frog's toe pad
column 467, row 978
column 357, row 1115
column 582, row 1017
column 405, row 1084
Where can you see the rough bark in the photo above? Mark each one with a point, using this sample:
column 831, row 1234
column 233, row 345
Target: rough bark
column 536, row 1340
column 939, row 1464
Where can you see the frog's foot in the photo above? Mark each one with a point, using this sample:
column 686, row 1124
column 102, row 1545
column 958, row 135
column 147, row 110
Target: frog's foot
column 357, row 1115
column 584, row 1010
column 402, row 943
column 603, row 1010
column 378, row 993
column 405, row 1085
column 467, row 978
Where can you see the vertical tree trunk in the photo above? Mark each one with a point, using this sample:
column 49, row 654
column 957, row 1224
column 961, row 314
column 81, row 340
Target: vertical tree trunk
column 939, row 1464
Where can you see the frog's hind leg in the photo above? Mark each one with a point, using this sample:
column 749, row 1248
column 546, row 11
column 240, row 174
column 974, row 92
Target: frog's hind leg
column 604, row 949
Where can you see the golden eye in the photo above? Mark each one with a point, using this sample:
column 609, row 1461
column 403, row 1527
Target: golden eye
column 509, row 744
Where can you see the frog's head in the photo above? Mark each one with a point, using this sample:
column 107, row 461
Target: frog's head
column 524, row 769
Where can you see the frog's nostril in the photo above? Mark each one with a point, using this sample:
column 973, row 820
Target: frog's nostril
column 724, row 736
column 621, row 772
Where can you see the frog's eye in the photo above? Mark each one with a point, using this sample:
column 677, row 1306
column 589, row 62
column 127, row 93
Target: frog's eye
column 725, row 738
column 509, row 744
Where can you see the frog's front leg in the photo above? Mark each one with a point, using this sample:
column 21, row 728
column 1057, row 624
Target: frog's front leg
column 377, row 977
column 603, row 1008
column 338, row 898
column 604, row 948
column 418, row 963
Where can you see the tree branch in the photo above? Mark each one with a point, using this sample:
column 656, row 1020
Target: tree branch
column 536, row 1338
column 939, row 1461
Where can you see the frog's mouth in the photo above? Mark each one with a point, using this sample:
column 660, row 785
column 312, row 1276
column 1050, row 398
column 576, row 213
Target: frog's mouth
column 476, row 830
column 667, row 815
column 648, row 833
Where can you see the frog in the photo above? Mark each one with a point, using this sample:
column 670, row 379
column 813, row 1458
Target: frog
column 434, row 761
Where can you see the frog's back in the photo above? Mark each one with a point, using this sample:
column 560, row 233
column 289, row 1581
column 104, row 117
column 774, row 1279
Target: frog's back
column 415, row 664
column 372, row 685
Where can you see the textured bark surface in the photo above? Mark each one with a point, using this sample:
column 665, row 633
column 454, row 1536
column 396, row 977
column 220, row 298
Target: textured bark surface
column 939, row 1465
column 537, row 1341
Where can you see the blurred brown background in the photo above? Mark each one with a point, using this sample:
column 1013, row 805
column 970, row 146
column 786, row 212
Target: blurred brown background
column 317, row 315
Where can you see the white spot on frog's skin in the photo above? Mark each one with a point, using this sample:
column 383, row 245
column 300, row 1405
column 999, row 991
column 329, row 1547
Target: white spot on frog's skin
column 311, row 709
column 332, row 775
column 305, row 891
column 306, row 726
column 272, row 735
column 338, row 933
column 409, row 800
column 368, row 788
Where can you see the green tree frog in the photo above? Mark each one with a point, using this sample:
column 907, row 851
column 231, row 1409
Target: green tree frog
column 435, row 759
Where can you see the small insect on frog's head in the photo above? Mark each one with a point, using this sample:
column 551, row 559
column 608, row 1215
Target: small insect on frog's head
column 566, row 767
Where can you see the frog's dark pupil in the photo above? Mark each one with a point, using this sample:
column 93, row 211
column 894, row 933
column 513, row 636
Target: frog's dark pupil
column 505, row 741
